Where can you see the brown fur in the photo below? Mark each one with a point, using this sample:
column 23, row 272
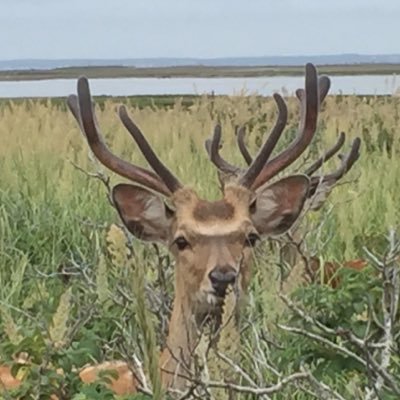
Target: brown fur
column 204, row 210
column 330, row 272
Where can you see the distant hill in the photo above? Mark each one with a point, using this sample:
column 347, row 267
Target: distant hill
column 338, row 59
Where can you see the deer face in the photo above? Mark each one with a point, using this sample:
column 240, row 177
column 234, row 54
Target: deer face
column 212, row 241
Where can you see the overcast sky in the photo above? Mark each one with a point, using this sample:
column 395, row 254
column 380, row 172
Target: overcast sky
column 196, row 28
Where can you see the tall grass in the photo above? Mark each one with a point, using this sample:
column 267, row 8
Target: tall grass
column 51, row 214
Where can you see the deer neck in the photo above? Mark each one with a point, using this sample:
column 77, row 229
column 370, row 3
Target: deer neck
column 189, row 320
column 182, row 335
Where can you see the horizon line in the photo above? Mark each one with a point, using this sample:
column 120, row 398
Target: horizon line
column 203, row 58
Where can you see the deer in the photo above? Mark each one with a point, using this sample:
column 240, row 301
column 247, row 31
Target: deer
column 212, row 241
column 320, row 189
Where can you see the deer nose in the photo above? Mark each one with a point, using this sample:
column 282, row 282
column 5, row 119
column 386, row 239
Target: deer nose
column 221, row 277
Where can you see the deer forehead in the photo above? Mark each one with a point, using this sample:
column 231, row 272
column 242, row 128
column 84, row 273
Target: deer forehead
column 213, row 218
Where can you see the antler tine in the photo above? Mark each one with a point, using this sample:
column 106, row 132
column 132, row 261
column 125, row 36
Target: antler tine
column 207, row 145
column 328, row 155
column 305, row 134
column 212, row 147
column 324, row 84
column 82, row 109
column 73, row 105
column 347, row 162
column 240, row 133
column 159, row 168
column 72, row 102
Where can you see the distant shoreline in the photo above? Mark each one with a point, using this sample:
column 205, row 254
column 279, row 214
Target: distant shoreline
column 196, row 71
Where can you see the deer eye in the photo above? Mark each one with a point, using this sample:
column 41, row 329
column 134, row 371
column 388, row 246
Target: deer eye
column 252, row 239
column 181, row 243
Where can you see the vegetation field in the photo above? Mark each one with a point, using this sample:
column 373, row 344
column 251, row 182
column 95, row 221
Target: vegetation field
column 193, row 71
column 74, row 290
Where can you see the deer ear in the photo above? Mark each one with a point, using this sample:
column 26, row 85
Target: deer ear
column 276, row 207
column 144, row 213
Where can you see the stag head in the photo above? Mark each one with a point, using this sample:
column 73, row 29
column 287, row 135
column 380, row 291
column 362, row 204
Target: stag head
column 211, row 240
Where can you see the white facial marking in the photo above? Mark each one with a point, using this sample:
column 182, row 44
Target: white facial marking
column 219, row 228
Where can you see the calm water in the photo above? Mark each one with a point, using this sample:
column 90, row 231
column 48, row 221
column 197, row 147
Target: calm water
column 361, row 84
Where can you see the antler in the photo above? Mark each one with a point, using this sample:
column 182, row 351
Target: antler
column 161, row 170
column 347, row 161
column 327, row 156
column 224, row 166
column 261, row 171
column 240, row 133
column 81, row 107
